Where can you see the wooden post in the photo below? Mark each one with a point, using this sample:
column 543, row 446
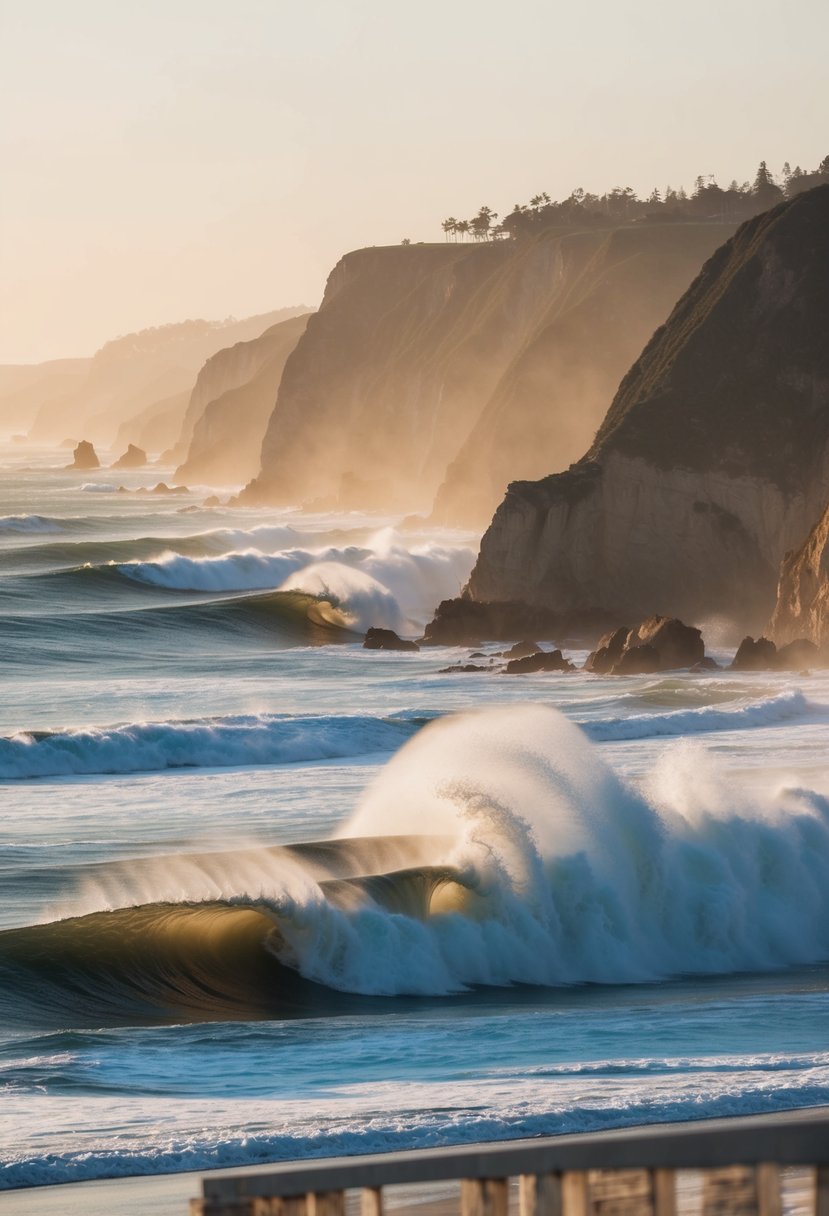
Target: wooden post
column 540, row 1195
column 663, row 1188
column 769, row 1198
column 729, row 1192
column 822, row 1190
column 371, row 1201
column 326, row 1203
column 575, row 1193
column 484, row 1197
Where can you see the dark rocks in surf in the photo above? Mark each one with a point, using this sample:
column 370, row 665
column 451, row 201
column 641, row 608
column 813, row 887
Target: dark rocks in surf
column 759, row 655
column 637, row 661
column 705, row 664
column 799, row 655
column 85, row 457
column 462, row 669
column 522, row 650
column 463, row 622
column 386, row 639
column 659, row 643
column 133, row 458
column 541, row 660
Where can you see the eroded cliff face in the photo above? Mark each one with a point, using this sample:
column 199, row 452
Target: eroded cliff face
column 802, row 609
column 713, row 459
column 612, row 290
column 500, row 355
column 226, row 440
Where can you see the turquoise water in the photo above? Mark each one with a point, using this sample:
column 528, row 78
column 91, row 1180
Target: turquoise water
column 523, row 926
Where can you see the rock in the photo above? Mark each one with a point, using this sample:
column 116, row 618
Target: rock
column 212, row 501
column 133, row 458
column 706, row 664
column 674, row 643
column 542, row 660
column 386, row 639
column 461, row 667
column 713, row 459
column 799, row 655
column 463, row 622
column 802, row 608
column 85, row 457
column 608, row 652
column 521, row 650
column 755, row 656
column 637, row 661
column 677, row 644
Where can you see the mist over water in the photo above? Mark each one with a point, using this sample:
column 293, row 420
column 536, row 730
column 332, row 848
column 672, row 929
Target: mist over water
column 267, row 894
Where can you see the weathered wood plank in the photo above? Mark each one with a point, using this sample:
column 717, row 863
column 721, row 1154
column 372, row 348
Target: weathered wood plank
column 575, row 1193
column 484, row 1197
column 540, row 1195
column 769, row 1192
column 371, row 1201
column 729, row 1192
column 663, row 1189
column 620, row 1192
column 822, row 1190
column 326, row 1203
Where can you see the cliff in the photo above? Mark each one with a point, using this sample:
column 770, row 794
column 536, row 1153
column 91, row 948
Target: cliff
column 134, row 372
column 499, row 357
column 226, row 438
column 712, row 460
column 802, row 609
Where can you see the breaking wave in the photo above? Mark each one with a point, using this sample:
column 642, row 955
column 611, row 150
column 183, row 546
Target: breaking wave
column 29, row 523
column 784, row 707
column 495, row 848
column 228, row 742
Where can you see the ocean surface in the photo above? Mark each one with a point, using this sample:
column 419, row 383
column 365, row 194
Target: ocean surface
column 267, row 895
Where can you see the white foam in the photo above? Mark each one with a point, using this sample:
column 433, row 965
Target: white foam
column 251, row 739
column 784, row 707
column 29, row 523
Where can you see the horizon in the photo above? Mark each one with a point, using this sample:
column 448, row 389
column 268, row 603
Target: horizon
column 195, row 176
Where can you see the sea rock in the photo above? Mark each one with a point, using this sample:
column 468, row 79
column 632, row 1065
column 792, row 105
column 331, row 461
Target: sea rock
column 755, row 656
column 608, row 652
column 85, row 457
column 706, row 664
column 133, row 458
column 637, row 661
column 464, row 668
column 799, row 655
column 674, row 644
column 713, row 459
column 466, row 622
column 521, row 650
column 542, row 660
column 386, row 639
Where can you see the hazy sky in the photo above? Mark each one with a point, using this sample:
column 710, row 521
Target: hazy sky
column 181, row 158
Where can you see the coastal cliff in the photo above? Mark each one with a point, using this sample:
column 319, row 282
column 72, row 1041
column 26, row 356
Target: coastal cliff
column 444, row 370
column 713, row 459
column 802, row 608
column 231, row 403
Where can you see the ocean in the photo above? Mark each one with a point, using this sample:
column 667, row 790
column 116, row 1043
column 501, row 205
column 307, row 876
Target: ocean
column 268, row 895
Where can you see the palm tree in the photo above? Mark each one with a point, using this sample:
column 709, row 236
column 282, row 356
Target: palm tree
column 450, row 225
column 462, row 227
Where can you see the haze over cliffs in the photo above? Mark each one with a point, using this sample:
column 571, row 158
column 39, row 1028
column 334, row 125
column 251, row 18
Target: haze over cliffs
column 713, row 459
column 231, row 403
column 128, row 383
column 446, row 370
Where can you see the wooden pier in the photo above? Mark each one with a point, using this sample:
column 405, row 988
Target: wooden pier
column 627, row 1172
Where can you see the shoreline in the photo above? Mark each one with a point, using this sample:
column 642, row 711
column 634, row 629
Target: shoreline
column 168, row 1194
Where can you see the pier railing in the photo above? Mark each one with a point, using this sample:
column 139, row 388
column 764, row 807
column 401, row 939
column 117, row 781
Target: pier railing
column 616, row 1173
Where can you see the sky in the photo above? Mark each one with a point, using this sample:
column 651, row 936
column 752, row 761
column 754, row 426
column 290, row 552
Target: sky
column 191, row 158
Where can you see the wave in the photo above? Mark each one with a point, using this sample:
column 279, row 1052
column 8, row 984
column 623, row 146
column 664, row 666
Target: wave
column 536, row 865
column 224, row 742
column 784, row 707
column 30, row 523
column 99, row 487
